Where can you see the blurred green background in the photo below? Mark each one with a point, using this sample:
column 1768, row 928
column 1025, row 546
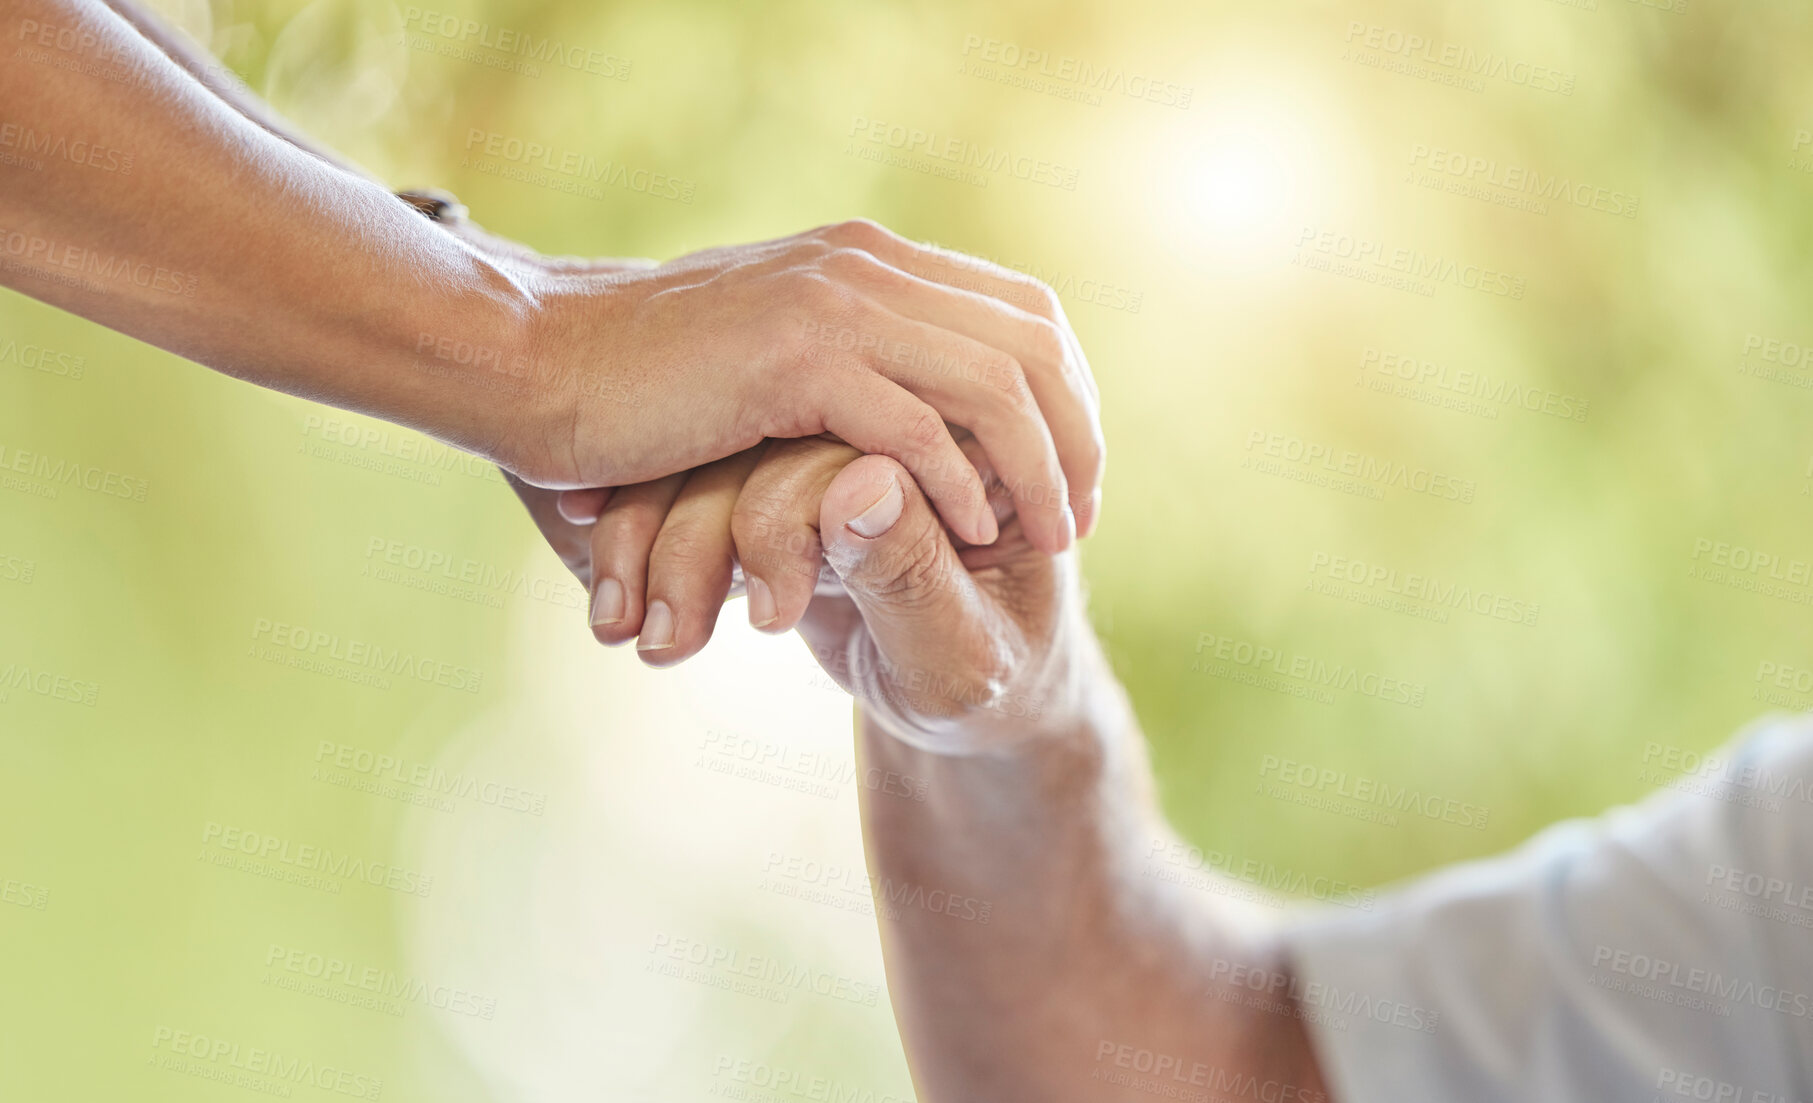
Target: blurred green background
column 1268, row 225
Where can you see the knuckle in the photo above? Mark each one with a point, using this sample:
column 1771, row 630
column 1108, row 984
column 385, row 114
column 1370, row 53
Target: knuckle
column 1095, row 457
column 851, row 263
column 860, row 233
column 764, row 541
column 684, row 551
column 630, row 523
column 916, row 576
column 809, row 286
column 926, row 431
column 1011, row 393
column 1047, row 342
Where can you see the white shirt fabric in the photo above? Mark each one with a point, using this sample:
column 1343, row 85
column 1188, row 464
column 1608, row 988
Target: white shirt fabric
column 1661, row 952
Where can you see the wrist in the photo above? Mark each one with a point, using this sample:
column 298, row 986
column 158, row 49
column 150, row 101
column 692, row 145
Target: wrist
column 468, row 369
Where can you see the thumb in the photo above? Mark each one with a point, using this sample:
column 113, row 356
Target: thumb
column 932, row 628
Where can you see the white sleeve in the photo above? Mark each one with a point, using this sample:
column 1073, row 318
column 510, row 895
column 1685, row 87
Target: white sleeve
column 1662, row 952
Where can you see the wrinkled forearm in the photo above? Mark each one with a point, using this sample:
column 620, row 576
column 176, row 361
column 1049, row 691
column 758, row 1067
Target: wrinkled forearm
column 183, row 223
column 1028, row 950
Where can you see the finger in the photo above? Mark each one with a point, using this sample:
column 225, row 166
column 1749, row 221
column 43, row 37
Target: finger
column 572, row 542
column 689, row 566
column 1018, row 289
column 775, row 526
column 933, row 627
column 876, row 414
column 955, row 269
column 984, row 390
column 621, row 541
column 959, row 270
column 582, row 507
column 1043, row 348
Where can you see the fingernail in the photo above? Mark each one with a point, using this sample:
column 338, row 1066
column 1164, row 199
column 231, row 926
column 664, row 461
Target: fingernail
column 657, row 628
column 607, row 603
column 880, row 517
column 1094, row 517
column 991, row 528
column 762, row 612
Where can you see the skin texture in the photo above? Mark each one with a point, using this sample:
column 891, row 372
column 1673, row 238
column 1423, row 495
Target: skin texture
column 977, row 674
column 974, row 666
column 567, row 374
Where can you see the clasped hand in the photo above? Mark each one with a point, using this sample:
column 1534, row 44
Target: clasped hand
column 955, row 634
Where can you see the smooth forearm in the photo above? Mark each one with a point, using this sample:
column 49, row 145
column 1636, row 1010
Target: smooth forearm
column 1082, row 952
column 205, row 234
column 217, row 79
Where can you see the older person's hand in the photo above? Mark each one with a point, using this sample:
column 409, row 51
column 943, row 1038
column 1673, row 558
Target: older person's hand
column 1041, row 940
column 925, row 629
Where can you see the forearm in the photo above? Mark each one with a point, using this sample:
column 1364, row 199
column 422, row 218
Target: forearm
column 217, row 79
column 1064, row 950
column 233, row 92
column 211, row 237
